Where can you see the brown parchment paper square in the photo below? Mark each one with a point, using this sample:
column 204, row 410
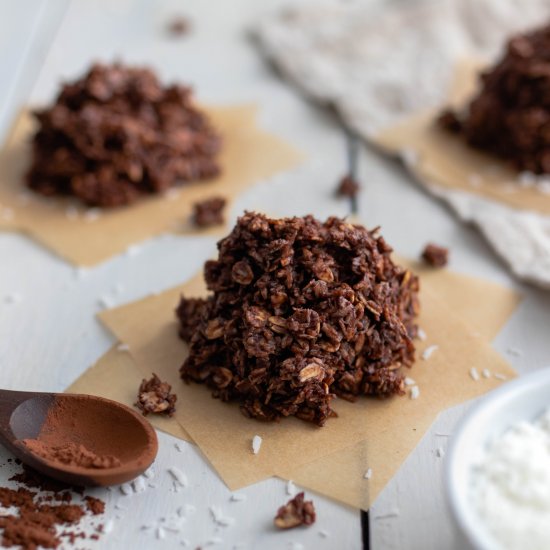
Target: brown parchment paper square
column 224, row 434
column 339, row 474
column 443, row 159
column 86, row 237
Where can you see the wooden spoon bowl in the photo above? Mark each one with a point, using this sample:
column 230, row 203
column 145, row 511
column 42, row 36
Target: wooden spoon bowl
column 102, row 426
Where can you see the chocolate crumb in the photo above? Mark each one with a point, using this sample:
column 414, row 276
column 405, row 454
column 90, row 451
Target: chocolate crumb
column 35, row 517
column 209, row 212
column 348, row 187
column 510, row 116
column 116, row 135
column 154, row 396
column 435, row 255
column 295, row 512
column 178, row 26
column 300, row 311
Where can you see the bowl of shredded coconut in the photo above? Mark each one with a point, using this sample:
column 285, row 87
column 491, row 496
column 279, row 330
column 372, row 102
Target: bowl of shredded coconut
column 498, row 468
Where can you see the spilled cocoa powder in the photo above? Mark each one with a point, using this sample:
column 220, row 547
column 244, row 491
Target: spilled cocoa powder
column 44, row 513
column 71, row 454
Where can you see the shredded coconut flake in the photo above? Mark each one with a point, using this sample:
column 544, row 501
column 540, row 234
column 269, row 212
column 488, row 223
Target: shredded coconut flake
column 499, row 376
column 256, row 444
column 514, row 351
column 415, row 392
column 391, row 514
column 237, row 497
column 486, row 373
column 178, row 476
column 105, row 301
column 409, row 381
column 323, row 533
column 428, row 352
column 124, row 347
column 440, row 453
column 474, row 375
column 409, row 157
column 422, row 334
column 133, row 250
column 139, row 485
column 220, row 518
column 290, row 488
column 126, row 489
column 368, row 474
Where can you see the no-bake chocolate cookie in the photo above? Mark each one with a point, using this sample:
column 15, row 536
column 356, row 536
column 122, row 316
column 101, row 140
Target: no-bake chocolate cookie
column 300, row 311
column 117, row 134
column 510, row 116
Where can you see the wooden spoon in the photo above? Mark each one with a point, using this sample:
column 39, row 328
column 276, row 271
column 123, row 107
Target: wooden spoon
column 102, row 426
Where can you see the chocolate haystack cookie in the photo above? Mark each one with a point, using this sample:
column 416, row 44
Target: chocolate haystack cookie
column 435, row 255
column 209, row 212
column 117, row 134
column 510, row 117
column 154, row 396
column 300, row 311
column 295, row 512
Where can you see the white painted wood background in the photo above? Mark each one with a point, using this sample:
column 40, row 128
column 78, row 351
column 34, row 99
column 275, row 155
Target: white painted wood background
column 51, row 336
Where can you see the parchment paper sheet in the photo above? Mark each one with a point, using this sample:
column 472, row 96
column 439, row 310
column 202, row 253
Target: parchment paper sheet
column 370, row 433
column 441, row 158
column 86, row 237
column 379, row 63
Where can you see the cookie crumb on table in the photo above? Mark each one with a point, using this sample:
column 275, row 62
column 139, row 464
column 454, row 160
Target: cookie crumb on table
column 295, row 512
column 348, row 187
column 435, row 255
column 209, row 212
column 154, row 396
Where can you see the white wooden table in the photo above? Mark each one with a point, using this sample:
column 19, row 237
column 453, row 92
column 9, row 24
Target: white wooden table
column 51, row 336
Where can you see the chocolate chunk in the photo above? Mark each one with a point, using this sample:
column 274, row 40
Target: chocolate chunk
column 436, row 256
column 117, row 134
column 295, row 512
column 300, row 311
column 209, row 212
column 510, row 116
column 154, row 396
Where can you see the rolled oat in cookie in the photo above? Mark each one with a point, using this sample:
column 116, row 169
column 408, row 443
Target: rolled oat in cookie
column 117, row 134
column 300, row 311
column 154, row 396
column 510, row 116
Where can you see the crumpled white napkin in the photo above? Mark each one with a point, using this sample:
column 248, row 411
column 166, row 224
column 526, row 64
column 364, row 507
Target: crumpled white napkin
column 377, row 65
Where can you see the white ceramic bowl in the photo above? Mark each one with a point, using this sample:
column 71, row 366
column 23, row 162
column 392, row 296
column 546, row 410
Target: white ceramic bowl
column 524, row 398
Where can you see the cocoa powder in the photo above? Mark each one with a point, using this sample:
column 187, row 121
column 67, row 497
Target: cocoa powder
column 42, row 513
column 71, row 454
